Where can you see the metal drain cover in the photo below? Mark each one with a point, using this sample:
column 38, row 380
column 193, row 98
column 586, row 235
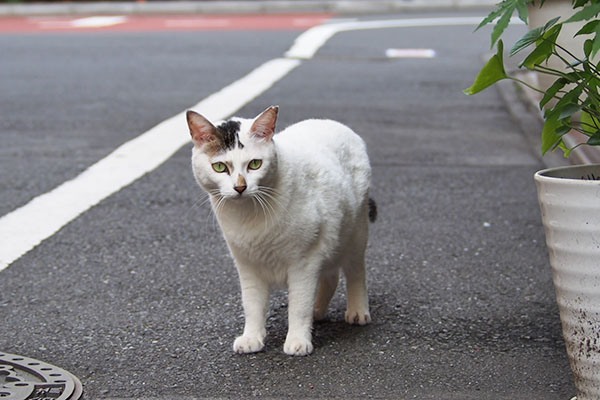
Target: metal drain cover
column 23, row 378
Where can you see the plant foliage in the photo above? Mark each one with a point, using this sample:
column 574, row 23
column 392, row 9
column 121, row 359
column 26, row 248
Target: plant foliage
column 575, row 91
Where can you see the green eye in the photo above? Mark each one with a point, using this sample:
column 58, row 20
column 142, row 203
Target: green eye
column 254, row 164
column 219, row 167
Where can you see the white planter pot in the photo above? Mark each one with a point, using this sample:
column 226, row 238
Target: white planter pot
column 539, row 16
column 570, row 203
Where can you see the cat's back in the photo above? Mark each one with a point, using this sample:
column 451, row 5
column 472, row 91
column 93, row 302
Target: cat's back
column 325, row 153
column 320, row 139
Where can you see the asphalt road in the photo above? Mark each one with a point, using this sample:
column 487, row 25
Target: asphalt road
column 138, row 298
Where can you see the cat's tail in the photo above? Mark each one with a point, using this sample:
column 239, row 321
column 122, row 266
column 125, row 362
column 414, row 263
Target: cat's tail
column 372, row 210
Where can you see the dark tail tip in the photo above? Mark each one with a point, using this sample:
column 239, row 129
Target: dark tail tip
column 372, row 210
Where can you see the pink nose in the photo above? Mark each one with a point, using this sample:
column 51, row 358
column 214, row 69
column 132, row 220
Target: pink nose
column 240, row 189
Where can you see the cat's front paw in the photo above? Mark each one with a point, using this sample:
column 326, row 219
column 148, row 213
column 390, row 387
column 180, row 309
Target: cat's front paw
column 247, row 344
column 358, row 317
column 297, row 346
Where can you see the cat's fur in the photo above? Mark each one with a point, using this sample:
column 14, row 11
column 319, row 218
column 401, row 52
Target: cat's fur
column 297, row 220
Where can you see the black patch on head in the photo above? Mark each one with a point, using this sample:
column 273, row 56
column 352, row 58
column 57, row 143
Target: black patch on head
column 228, row 134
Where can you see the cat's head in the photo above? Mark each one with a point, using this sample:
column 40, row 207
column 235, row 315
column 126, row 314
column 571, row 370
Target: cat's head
column 236, row 158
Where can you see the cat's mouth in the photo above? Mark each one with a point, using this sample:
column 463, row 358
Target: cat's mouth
column 239, row 196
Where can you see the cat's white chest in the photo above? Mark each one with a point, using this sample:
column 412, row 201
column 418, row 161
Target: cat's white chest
column 264, row 247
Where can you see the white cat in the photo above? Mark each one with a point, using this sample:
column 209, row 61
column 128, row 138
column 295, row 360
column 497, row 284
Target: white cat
column 294, row 209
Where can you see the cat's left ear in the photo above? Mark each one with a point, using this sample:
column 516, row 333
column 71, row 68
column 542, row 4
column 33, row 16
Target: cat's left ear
column 201, row 129
column 264, row 125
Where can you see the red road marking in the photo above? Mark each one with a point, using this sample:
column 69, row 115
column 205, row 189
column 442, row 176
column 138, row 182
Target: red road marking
column 153, row 23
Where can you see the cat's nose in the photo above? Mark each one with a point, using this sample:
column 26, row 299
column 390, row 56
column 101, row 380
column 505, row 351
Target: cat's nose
column 240, row 189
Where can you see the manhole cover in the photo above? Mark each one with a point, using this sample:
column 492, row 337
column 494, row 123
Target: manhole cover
column 23, row 378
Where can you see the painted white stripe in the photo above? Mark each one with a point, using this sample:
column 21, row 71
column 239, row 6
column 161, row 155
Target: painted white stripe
column 198, row 23
column 308, row 43
column 410, row 53
column 87, row 22
column 98, row 21
column 26, row 227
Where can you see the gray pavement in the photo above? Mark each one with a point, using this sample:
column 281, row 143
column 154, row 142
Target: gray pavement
column 138, row 298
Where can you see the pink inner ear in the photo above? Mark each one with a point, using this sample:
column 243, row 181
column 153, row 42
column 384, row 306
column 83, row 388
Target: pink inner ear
column 264, row 125
column 201, row 129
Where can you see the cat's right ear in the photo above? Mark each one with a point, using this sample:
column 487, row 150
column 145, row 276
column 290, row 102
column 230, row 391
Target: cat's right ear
column 264, row 125
column 201, row 129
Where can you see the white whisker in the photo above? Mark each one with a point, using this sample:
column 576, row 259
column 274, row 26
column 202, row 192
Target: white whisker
column 274, row 196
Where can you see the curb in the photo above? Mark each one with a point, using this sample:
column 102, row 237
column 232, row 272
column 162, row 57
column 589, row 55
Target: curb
column 241, row 7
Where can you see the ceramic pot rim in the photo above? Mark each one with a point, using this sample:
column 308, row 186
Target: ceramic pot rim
column 585, row 174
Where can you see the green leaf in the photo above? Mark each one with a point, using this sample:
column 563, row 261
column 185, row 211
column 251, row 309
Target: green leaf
column 552, row 134
column 568, row 110
column 528, row 39
column 566, row 151
column 588, row 45
column 502, row 24
column 562, row 106
column 523, row 11
column 589, row 123
column 544, row 48
column 594, row 140
column 551, row 23
column 588, row 12
column 595, row 45
column 492, row 72
column 532, row 36
column 552, row 91
column 588, row 28
column 490, row 18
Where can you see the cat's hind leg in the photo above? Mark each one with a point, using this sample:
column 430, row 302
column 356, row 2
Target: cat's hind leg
column 327, row 284
column 357, row 309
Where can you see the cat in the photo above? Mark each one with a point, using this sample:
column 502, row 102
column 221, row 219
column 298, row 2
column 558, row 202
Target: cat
column 294, row 209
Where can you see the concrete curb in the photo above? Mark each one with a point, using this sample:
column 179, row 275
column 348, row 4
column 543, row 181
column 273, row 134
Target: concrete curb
column 240, row 7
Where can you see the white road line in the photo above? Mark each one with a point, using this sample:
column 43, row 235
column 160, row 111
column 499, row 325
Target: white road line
column 410, row 53
column 87, row 22
column 26, row 227
column 198, row 23
column 98, row 21
column 309, row 42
